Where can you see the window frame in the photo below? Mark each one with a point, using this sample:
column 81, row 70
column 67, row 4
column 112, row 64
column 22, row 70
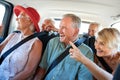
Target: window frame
column 7, row 17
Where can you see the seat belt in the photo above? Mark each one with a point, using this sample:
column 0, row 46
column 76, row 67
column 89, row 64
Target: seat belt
column 20, row 43
column 63, row 55
column 104, row 64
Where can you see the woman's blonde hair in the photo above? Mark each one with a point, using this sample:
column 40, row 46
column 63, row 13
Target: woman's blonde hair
column 110, row 37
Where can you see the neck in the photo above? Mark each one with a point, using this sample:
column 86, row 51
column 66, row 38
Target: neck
column 27, row 32
column 67, row 43
column 110, row 56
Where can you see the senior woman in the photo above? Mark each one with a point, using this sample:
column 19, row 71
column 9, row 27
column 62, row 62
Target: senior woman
column 107, row 46
column 21, row 63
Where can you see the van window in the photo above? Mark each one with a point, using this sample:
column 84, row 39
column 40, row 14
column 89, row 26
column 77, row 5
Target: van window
column 84, row 27
column 116, row 25
column 2, row 9
column 6, row 9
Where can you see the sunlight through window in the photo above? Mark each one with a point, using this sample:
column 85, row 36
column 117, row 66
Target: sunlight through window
column 2, row 12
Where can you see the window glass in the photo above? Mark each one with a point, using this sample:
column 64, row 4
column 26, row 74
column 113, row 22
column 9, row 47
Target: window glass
column 84, row 28
column 116, row 25
column 2, row 12
column 57, row 23
column 6, row 10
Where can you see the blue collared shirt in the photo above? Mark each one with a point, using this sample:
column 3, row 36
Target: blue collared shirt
column 68, row 68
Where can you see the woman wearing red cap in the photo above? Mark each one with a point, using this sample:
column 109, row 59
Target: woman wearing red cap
column 21, row 63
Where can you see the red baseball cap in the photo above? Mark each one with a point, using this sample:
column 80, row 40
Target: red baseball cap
column 31, row 12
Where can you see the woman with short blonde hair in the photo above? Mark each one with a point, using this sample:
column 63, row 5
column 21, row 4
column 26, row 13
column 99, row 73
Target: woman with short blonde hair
column 107, row 46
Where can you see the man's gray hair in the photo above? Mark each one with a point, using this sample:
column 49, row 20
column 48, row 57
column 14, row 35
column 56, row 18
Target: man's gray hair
column 50, row 20
column 95, row 23
column 76, row 20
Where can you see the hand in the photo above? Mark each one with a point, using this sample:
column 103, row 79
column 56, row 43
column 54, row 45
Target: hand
column 75, row 53
column 48, row 27
column 51, row 28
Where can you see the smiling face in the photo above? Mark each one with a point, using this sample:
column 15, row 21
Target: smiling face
column 107, row 42
column 48, row 25
column 93, row 28
column 102, row 48
column 67, row 31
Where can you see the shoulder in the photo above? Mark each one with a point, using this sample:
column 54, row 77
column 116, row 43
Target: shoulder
column 84, row 46
column 85, row 49
column 14, row 33
column 38, row 42
column 55, row 40
column 37, row 45
column 10, row 36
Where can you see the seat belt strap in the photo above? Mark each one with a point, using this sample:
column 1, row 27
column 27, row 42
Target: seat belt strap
column 18, row 44
column 104, row 64
column 63, row 55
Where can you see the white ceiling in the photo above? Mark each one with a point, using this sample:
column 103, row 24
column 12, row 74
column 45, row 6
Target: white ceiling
column 102, row 11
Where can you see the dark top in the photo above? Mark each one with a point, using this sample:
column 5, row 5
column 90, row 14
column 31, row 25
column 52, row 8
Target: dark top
column 45, row 38
column 90, row 42
column 117, row 73
column 1, row 39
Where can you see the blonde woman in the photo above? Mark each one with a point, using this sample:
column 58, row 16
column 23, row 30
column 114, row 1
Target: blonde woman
column 107, row 46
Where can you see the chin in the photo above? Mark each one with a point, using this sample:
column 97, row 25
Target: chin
column 99, row 54
column 61, row 39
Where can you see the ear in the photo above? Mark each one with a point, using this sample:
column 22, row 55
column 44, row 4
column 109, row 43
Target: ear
column 76, row 31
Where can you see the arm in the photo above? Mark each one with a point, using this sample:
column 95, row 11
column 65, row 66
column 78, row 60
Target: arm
column 44, row 62
column 40, row 74
column 2, row 45
column 42, row 66
column 31, row 65
column 97, row 72
column 51, row 27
